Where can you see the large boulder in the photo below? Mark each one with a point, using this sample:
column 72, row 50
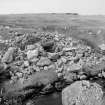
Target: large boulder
column 82, row 93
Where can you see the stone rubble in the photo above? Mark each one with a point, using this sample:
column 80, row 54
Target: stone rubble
column 66, row 57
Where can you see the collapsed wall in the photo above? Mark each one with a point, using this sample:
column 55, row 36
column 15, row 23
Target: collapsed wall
column 43, row 59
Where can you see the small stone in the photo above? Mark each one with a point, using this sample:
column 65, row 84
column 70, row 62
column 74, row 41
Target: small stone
column 14, row 78
column 52, row 67
column 44, row 61
column 30, row 47
column 21, row 80
column 36, row 68
column 0, row 99
column 103, row 74
column 67, row 49
column 53, row 56
column 34, row 60
column 11, row 81
column 100, row 75
column 102, row 46
column 24, row 71
column 47, row 89
column 41, row 68
column 8, row 56
column 29, row 71
column 79, row 55
column 82, row 77
column 45, row 68
column 59, row 62
column 60, row 75
column 60, row 69
column 3, row 66
column 70, row 77
column 73, row 67
column 32, row 53
column 18, row 63
column 40, row 48
column 64, row 60
column 19, row 74
column 56, row 37
column 59, row 86
column 30, row 102
column 26, row 63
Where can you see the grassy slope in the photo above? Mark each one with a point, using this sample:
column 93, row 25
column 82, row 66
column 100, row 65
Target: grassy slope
column 74, row 25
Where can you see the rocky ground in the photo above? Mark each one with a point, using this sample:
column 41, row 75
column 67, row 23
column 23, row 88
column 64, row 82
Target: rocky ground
column 42, row 63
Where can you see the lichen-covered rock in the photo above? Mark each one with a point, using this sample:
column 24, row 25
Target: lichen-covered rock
column 82, row 93
column 9, row 55
column 44, row 61
column 34, row 60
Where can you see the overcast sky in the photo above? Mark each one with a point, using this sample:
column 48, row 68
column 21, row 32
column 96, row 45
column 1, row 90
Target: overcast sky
column 49, row 6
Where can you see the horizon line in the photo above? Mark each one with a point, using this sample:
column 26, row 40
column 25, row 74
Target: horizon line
column 69, row 13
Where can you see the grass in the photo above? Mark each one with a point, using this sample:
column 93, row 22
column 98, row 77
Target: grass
column 69, row 24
